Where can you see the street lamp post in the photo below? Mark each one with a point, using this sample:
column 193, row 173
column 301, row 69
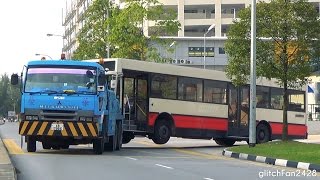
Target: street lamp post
column 173, row 44
column 58, row 35
column 204, row 44
column 43, row 55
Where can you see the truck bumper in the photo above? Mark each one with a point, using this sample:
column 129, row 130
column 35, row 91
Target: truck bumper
column 69, row 129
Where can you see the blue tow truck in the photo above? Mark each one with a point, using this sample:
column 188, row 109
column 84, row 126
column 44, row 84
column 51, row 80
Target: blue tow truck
column 65, row 102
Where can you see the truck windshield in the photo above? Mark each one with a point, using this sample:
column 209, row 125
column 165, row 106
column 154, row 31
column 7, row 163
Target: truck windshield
column 61, row 80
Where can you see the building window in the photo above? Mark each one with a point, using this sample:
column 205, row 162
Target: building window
column 221, row 50
column 190, row 89
column 198, row 52
column 164, row 86
column 190, row 11
column 215, row 92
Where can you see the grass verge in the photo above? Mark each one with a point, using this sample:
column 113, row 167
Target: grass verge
column 290, row 150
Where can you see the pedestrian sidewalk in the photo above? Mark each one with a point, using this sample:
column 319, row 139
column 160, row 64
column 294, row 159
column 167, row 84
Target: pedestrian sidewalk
column 7, row 171
column 311, row 139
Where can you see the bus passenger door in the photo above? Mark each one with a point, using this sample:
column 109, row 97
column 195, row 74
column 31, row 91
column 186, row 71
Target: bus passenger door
column 238, row 111
column 142, row 102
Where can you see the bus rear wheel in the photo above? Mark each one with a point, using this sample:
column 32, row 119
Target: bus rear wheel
column 225, row 142
column 162, row 132
column 263, row 134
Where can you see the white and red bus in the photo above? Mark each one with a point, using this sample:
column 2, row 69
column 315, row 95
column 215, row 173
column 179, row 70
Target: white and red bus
column 160, row 101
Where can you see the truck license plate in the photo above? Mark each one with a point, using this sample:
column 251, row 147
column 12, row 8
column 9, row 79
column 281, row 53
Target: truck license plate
column 57, row 126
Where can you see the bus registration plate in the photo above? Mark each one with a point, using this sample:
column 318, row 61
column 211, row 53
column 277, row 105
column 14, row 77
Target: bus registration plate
column 57, row 126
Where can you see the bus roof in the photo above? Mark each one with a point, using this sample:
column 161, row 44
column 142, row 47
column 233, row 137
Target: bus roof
column 170, row 69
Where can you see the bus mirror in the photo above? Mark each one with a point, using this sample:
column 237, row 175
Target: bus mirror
column 102, row 79
column 14, row 79
column 113, row 84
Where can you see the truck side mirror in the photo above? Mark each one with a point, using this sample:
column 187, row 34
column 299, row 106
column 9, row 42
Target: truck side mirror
column 14, row 79
column 102, row 79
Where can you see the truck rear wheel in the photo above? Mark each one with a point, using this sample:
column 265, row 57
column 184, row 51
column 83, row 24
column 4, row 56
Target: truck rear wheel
column 112, row 144
column 119, row 135
column 31, row 144
column 98, row 145
column 46, row 145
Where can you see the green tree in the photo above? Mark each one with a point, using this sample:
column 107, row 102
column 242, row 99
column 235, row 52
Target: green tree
column 125, row 35
column 287, row 51
column 9, row 96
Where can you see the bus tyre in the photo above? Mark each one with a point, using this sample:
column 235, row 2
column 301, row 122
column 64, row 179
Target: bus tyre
column 225, row 142
column 263, row 134
column 127, row 136
column 119, row 137
column 98, row 146
column 46, row 145
column 162, row 132
column 65, row 146
column 31, row 144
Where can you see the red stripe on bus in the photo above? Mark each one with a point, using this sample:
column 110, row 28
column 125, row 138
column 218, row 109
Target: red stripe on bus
column 293, row 129
column 152, row 118
column 194, row 122
column 197, row 122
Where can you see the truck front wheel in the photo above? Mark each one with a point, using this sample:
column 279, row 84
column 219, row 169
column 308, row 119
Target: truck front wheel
column 31, row 144
column 98, row 146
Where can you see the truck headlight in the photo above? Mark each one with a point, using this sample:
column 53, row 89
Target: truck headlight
column 32, row 118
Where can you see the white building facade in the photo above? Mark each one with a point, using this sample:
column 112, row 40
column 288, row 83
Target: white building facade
column 195, row 16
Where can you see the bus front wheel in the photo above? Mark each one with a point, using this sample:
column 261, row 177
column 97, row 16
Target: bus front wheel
column 162, row 132
column 225, row 142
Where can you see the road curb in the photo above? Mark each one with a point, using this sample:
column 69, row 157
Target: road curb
column 7, row 170
column 272, row 161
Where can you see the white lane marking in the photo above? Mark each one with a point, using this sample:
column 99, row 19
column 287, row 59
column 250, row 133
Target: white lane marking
column 132, row 158
column 164, row 166
column 208, row 179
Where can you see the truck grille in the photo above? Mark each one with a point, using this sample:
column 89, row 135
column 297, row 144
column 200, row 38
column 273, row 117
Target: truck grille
column 58, row 115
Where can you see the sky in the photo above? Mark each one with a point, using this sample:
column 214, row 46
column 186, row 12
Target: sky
column 23, row 32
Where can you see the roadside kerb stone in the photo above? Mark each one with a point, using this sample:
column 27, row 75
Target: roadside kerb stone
column 272, row 161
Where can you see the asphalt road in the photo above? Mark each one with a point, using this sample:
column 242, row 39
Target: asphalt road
column 180, row 159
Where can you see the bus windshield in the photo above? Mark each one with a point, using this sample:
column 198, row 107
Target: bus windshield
column 61, row 80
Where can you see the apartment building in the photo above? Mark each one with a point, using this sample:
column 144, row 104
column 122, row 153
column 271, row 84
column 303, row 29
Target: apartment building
column 190, row 43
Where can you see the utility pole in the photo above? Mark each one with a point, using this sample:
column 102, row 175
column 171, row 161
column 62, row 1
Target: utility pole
column 252, row 123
